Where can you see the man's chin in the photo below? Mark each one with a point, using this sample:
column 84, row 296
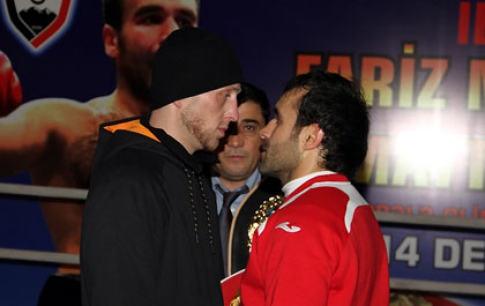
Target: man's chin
column 211, row 146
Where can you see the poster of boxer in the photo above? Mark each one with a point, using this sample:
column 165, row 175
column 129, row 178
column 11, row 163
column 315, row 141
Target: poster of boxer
column 77, row 64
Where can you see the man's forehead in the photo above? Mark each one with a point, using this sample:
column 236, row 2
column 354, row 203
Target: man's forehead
column 189, row 3
column 250, row 111
column 136, row 4
column 290, row 99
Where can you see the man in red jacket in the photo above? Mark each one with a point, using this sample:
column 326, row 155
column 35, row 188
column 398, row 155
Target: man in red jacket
column 323, row 245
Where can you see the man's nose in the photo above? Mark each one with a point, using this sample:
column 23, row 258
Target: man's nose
column 265, row 133
column 169, row 25
column 233, row 113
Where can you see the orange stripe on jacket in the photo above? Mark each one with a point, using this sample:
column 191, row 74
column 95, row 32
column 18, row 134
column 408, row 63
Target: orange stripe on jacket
column 134, row 126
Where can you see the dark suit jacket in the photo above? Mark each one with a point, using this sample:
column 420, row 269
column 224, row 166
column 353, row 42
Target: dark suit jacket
column 238, row 238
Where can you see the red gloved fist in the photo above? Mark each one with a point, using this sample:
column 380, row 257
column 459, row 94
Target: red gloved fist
column 10, row 90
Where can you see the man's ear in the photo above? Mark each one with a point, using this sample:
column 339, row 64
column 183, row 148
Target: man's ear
column 110, row 39
column 313, row 136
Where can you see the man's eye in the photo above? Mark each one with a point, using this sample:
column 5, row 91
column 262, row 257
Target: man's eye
column 185, row 22
column 152, row 19
column 185, row 19
column 230, row 94
column 248, row 129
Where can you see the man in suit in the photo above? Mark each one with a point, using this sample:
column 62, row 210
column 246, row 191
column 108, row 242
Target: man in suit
column 237, row 170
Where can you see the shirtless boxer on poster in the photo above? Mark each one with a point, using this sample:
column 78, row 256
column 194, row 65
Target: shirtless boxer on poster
column 54, row 138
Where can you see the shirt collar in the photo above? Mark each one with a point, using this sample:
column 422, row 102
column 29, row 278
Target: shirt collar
column 252, row 180
column 292, row 185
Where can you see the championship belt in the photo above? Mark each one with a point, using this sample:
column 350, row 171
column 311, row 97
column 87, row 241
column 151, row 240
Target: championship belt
column 266, row 209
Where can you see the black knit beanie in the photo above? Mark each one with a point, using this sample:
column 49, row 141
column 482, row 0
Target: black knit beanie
column 192, row 61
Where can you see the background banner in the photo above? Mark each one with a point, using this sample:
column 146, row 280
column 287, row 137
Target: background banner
column 422, row 66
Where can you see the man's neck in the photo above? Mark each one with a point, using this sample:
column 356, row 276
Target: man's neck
column 293, row 184
column 130, row 104
column 232, row 185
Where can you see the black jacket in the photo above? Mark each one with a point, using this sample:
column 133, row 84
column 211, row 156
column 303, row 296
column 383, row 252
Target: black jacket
column 150, row 232
column 238, row 237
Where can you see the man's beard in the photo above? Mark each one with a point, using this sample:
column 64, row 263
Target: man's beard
column 195, row 125
column 280, row 159
column 136, row 73
column 139, row 88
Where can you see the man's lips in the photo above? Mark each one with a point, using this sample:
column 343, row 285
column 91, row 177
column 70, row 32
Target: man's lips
column 235, row 156
column 222, row 130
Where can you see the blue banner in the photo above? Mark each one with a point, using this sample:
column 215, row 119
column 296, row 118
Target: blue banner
column 421, row 64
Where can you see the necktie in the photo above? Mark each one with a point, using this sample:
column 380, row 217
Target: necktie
column 225, row 218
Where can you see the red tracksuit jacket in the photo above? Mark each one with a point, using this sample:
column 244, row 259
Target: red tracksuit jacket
column 323, row 246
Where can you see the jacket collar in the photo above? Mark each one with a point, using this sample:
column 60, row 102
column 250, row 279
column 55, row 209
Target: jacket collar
column 191, row 161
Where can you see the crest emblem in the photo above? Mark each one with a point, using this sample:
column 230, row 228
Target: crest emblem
column 38, row 21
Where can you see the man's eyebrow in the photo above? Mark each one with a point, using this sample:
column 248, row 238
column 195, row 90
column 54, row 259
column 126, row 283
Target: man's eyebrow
column 250, row 121
column 148, row 10
column 186, row 12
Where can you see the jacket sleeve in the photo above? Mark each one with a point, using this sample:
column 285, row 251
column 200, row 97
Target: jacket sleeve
column 122, row 225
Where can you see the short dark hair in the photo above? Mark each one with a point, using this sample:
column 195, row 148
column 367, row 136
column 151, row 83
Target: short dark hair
column 113, row 13
column 339, row 108
column 256, row 94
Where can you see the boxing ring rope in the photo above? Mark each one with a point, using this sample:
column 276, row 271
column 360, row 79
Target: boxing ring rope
column 430, row 221
column 39, row 256
column 392, row 218
column 41, row 191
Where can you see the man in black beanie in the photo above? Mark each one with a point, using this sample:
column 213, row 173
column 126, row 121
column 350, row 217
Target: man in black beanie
column 149, row 232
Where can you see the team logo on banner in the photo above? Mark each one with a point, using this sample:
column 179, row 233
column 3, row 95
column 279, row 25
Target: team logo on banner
column 38, row 21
